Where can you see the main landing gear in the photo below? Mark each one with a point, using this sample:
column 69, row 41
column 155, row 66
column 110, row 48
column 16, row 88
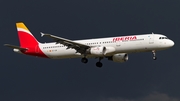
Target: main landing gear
column 84, row 60
column 98, row 64
column 154, row 54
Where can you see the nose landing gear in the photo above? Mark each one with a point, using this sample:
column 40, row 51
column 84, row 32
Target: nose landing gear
column 154, row 55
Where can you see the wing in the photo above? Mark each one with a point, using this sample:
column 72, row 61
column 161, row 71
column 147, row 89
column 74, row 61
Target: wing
column 80, row 48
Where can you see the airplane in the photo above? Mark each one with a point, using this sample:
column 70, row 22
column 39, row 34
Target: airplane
column 115, row 49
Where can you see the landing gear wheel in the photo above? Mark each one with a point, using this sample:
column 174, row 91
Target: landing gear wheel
column 154, row 54
column 84, row 60
column 154, row 58
column 99, row 64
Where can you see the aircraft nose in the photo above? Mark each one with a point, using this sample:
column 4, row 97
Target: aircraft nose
column 171, row 43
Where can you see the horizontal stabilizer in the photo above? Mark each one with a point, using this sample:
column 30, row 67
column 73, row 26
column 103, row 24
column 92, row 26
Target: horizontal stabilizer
column 15, row 47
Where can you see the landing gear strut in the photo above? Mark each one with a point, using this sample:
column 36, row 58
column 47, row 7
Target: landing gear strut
column 84, row 60
column 154, row 54
column 99, row 64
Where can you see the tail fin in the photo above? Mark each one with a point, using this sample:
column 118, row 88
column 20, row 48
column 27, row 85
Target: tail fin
column 26, row 38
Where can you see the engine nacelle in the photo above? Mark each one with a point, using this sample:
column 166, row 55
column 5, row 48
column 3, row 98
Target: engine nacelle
column 109, row 50
column 121, row 57
column 97, row 50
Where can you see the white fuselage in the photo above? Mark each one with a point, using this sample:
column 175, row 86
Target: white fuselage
column 115, row 49
column 121, row 44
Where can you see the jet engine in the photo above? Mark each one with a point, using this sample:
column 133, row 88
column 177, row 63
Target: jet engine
column 97, row 50
column 121, row 57
column 100, row 50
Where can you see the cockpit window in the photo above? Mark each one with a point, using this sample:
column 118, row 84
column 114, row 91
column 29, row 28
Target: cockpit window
column 163, row 38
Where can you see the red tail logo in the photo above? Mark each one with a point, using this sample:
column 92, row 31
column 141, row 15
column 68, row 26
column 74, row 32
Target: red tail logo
column 25, row 37
column 28, row 41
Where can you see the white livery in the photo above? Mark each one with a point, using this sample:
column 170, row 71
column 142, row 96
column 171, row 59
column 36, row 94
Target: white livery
column 113, row 48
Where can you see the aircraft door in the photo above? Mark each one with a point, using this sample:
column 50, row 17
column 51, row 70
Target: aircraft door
column 151, row 39
column 118, row 43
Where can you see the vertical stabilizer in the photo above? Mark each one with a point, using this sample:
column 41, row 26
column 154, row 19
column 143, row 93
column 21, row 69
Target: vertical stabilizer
column 26, row 38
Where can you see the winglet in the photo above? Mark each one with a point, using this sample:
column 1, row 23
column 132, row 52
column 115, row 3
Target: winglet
column 42, row 34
